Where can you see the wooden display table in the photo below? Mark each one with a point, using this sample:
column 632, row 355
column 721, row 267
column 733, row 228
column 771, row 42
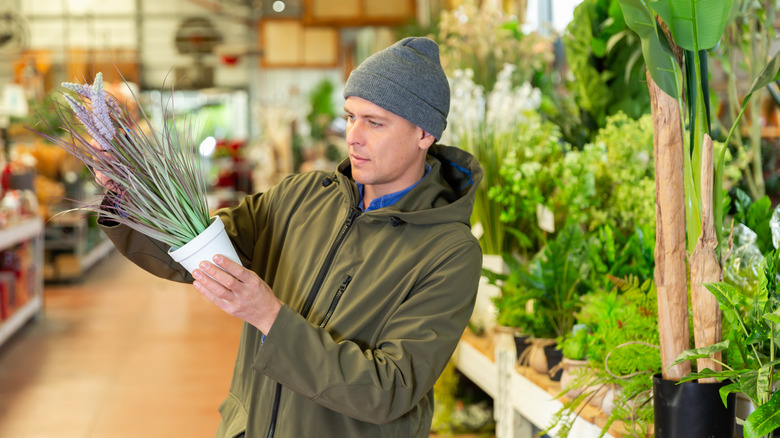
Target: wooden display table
column 522, row 398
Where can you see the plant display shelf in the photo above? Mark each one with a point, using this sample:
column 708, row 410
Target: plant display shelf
column 72, row 247
column 27, row 230
column 522, row 398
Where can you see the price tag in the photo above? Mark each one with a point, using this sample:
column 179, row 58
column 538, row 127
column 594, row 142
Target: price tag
column 545, row 218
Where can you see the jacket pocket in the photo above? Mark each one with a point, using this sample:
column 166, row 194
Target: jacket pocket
column 234, row 418
column 336, row 298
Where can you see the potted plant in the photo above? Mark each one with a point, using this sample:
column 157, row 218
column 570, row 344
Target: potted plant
column 493, row 70
column 544, row 294
column 676, row 35
column 622, row 355
column 751, row 346
column 157, row 184
column 574, row 347
column 488, row 128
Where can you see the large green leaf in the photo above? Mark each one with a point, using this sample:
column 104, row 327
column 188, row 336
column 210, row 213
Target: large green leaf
column 695, row 24
column 698, row 353
column 769, row 74
column 707, row 373
column 764, row 419
column 662, row 66
column 728, row 296
column 726, row 390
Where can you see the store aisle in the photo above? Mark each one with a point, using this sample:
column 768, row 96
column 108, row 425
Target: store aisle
column 119, row 354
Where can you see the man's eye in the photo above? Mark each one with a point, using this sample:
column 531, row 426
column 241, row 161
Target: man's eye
column 374, row 124
column 348, row 117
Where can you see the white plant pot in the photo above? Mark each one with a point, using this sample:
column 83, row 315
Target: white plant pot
column 212, row 241
column 572, row 370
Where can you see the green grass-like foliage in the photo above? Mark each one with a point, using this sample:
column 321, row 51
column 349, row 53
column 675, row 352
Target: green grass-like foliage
column 159, row 186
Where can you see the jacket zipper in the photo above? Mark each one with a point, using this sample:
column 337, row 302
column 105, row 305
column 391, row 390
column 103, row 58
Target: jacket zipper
column 315, row 289
column 353, row 214
column 335, row 301
column 275, row 411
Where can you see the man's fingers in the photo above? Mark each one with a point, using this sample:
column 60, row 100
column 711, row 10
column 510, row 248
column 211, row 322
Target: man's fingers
column 215, row 280
column 235, row 269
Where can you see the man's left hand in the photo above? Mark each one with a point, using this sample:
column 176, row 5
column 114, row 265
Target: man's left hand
column 238, row 291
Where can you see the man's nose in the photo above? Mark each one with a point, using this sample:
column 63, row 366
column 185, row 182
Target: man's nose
column 354, row 133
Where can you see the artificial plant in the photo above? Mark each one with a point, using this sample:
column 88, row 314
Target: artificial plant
column 158, row 186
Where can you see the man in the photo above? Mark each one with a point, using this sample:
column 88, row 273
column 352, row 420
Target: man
column 358, row 283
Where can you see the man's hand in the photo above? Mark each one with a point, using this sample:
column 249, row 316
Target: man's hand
column 100, row 177
column 238, row 291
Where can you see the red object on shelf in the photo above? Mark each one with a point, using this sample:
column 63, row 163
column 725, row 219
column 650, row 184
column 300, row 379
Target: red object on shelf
column 5, row 302
column 230, row 59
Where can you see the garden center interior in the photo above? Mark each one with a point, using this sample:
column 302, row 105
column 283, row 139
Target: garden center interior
column 628, row 212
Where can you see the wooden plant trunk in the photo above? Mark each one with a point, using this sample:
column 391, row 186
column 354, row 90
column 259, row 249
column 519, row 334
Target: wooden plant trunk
column 705, row 268
column 670, row 270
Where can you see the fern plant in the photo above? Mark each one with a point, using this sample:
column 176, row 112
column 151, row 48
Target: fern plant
column 622, row 353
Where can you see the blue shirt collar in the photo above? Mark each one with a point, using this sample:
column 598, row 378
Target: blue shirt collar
column 391, row 198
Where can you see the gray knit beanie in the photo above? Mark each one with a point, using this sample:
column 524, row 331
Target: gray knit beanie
column 406, row 79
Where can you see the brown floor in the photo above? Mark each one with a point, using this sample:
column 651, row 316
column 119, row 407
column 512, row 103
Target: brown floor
column 118, row 354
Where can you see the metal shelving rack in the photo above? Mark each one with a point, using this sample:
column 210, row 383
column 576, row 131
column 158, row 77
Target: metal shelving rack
column 28, row 230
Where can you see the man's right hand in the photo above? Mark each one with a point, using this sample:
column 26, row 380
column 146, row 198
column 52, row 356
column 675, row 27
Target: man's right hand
column 101, row 178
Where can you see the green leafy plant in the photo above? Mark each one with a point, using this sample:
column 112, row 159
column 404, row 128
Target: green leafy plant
column 604, row 56
column 756, row 216
column 159, row 186
column 754, row 336
column 321, row 113
column 540, row 173
column 575, row 345
column 488, row 128
column 744, row 48
column 625, row 194
column 549, row 286
column 613, row 256
column 620, row 323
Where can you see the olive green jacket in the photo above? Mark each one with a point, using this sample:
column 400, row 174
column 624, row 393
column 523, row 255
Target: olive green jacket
column 374, row 302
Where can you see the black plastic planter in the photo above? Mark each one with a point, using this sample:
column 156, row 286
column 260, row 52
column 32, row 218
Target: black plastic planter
column 554, row 357
column 521, row 343
column 692, row 409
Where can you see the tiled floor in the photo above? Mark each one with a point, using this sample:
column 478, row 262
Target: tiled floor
column 118, row 354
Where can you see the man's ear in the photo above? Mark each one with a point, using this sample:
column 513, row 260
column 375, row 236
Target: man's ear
column 426, row 140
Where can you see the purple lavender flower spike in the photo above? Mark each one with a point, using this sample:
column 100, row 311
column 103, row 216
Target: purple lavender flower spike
column 96, row 120
column 114, row 107
column 101, row 118
column 82, row 90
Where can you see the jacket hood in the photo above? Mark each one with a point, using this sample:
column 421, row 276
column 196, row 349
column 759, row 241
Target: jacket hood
column 446, row 194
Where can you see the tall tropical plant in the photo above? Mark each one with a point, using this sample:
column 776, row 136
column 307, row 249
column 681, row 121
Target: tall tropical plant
column 676, row 35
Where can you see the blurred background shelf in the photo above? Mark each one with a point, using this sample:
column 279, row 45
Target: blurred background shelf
column 21, row 280
column 73, row 244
